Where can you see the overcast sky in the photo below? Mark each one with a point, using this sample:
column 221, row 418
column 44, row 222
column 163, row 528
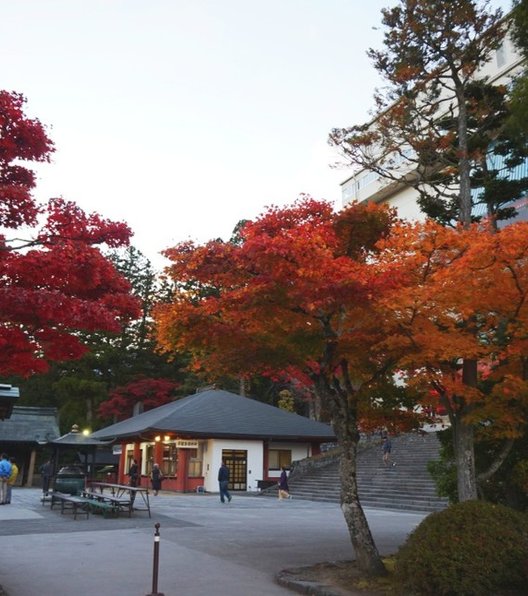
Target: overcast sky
column 182, row 117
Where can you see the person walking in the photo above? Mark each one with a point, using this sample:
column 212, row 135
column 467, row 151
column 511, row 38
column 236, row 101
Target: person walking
column 156, row 477
column 45, row 473
column 133, row 473
column 12, row 479
column 223, row 482
column 5, row 472
column 386, row 448
column 284, row 490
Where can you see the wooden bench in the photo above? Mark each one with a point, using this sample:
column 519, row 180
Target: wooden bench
column 70, row 503
column 264, row 484
column 123, row 496
column 102, row 506
column 108, row 503
column 45, row 498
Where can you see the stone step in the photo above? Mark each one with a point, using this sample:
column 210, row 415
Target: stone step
column 387, row 476
column 427, row 493
column 387, row 503
column 367, row 492
column 406, row 486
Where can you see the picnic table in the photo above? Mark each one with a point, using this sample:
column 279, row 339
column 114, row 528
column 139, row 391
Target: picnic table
column 123, row 492
column 107, row 503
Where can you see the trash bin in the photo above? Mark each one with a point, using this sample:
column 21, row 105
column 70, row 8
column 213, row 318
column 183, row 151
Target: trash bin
column 69, row 480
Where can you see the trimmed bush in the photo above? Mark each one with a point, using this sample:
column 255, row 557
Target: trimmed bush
column 470, row 549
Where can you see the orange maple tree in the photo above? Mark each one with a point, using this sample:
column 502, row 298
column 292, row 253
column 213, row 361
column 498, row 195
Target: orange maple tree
column 463, row 297
column 54, row 279
column 297, row 291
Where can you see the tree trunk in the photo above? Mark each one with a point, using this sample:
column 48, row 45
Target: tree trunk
column 464, row 166
column 345, row 428
column 367, row 554
column 89, row 411
column 497, row 462
column 341, row 398
column 464, row 440
column 465, row 460
column 463, row 434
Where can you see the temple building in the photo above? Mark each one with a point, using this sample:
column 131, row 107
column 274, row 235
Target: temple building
column 191, row 436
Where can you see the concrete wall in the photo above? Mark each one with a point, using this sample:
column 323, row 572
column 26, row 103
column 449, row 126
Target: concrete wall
column 299, row 451
column 213, row 460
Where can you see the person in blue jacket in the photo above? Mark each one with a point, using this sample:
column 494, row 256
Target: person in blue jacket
column 5, row 472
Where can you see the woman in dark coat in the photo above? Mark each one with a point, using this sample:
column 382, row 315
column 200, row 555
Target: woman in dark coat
column 156, row 478
column 133, row 473
column 284, row 490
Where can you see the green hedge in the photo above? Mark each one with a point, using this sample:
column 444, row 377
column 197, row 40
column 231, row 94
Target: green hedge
column 472, row 548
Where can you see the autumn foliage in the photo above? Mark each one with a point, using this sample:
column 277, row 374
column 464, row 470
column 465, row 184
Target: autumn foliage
column 463, row 297
column 151, row 393
column 380, row 315
column 267, row 303
column 297, row 292
column 55, row 282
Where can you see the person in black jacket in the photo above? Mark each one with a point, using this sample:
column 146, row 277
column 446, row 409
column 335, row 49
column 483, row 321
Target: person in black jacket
column 156, row 477
column 284, row 489
column 46, row 470
column 133, row 473
column 223, row 482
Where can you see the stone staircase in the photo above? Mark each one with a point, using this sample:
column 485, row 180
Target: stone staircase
column 407, row 485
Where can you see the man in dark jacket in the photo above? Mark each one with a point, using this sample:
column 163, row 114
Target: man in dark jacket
column 46, row 470
column 223, row 482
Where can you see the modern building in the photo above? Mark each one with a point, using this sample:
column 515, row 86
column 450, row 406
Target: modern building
column 190, row 437
column 365, row 185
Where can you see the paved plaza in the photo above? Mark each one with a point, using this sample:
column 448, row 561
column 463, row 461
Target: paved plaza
column 205, row 547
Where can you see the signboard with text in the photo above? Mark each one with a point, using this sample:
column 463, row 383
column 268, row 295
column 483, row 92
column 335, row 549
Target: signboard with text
column 184, row 444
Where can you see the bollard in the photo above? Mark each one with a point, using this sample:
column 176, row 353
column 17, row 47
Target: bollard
column 155, row 564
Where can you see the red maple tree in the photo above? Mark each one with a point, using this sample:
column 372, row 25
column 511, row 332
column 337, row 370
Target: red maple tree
column 297, row 292
column 54, row 280
column 151, row 393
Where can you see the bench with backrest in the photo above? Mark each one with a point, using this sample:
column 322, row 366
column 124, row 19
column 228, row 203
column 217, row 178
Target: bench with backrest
column 70, row 503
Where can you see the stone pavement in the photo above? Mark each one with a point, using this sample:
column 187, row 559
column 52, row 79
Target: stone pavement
column 205, row 547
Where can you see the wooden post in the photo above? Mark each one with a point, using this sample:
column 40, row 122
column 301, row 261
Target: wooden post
column 155, row 564
column 182, row 470
column 31, row 469
column 265, row 461
column 121, row 474
column 137, row 456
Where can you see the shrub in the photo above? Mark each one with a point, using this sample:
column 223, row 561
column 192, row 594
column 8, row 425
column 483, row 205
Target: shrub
column 472, row 548
column 444, row 474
